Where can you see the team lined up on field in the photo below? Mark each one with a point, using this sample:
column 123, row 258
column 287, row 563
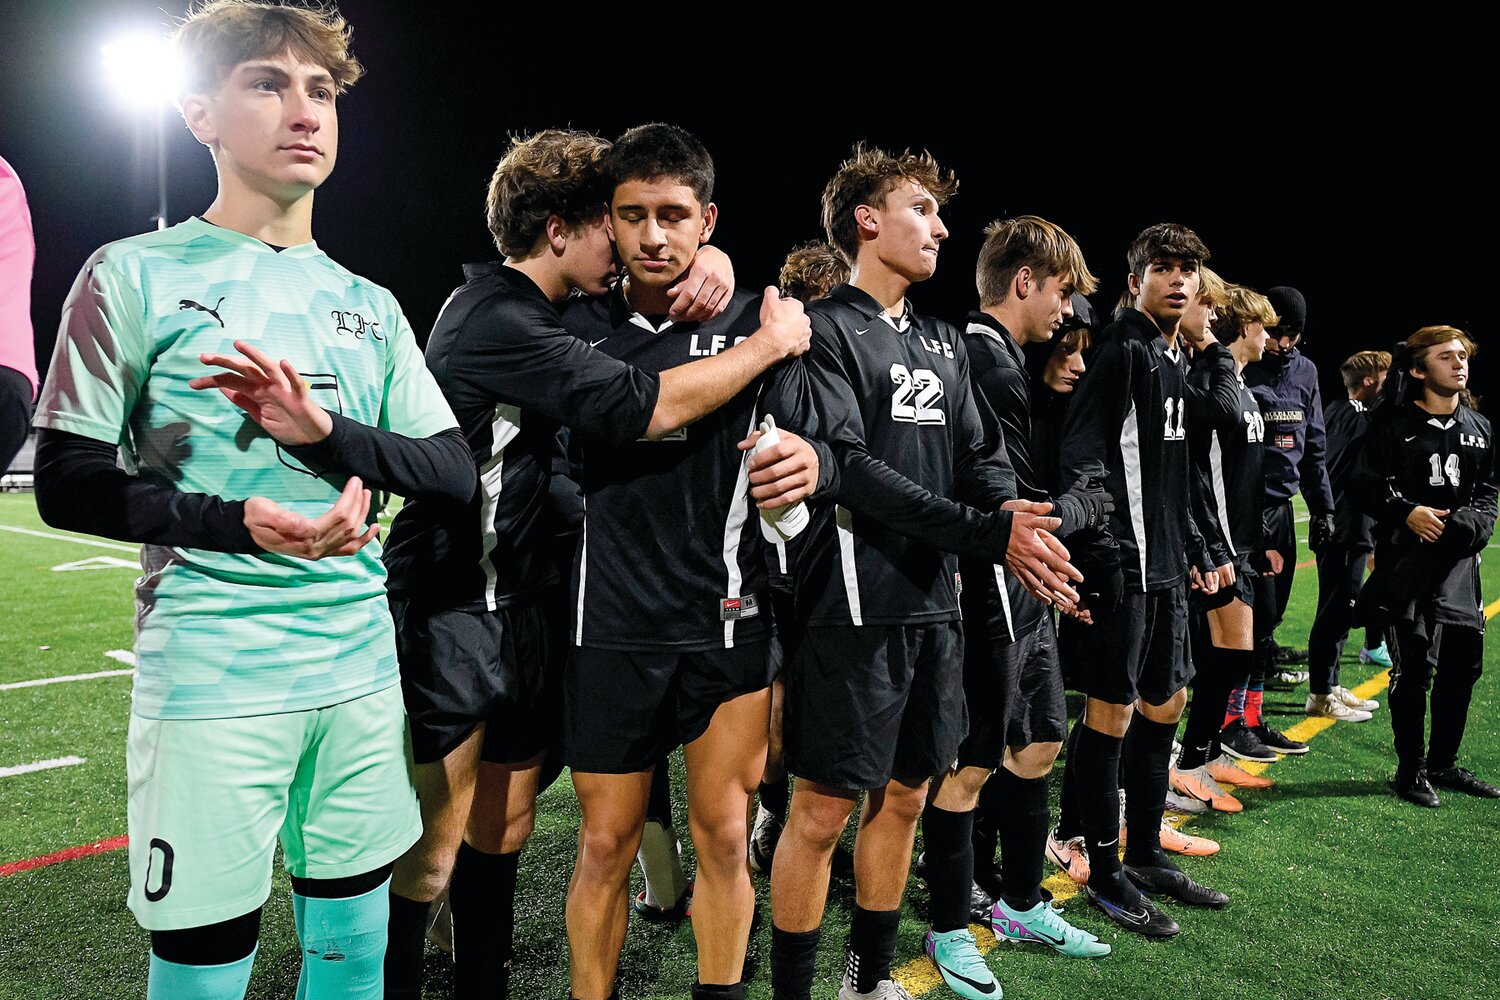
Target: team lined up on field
column 844, row 541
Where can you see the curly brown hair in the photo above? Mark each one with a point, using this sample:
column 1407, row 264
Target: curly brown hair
column 554, row 172
column 217, row 36
column 811, row 271
column 865, row 178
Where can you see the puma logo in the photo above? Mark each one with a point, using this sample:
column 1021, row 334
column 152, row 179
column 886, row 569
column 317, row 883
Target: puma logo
column 214, row 312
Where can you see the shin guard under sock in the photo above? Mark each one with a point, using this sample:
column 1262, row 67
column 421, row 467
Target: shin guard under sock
column 483, row 896
column 406, row 940
column 947, row 838
column 1023, row 837
column 992, row 806
column 1211, row 690
column 343, row 945
column 794, row 956
column 872, row 947
column 173, row 981
column 1144, row 761
column 1097, row 767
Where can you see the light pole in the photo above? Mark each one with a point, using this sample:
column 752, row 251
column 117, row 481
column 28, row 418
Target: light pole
column 143, row 72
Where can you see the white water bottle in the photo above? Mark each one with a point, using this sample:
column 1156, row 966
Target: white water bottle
column 783, row 523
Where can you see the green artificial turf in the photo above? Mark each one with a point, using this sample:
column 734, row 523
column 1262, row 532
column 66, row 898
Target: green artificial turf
column 1338, row 889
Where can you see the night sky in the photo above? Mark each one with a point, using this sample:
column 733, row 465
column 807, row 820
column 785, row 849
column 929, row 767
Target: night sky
column 1364, row 190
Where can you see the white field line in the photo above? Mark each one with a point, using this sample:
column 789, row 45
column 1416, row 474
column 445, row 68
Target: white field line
column 123, row 655
column 97, row 562
column 42, row 681
column 41, row 765
column 70, row 538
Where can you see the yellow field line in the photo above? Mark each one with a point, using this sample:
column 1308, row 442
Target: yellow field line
column 1310, row 727
column 920, row 976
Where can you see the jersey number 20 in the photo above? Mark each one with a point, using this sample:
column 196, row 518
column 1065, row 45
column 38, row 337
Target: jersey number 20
column 915, row 392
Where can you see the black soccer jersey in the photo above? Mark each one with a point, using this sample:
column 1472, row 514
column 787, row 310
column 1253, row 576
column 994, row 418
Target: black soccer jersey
column 1412, row 458
column 1346, row 421
column 671, row 555
column 1049, row 410
column 1226, row 456
column 920, row 481
column 1127, row 425
column 511, row 372
column 997, row 368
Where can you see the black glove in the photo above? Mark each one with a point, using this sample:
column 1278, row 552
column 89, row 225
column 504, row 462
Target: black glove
column 1319, row 532
column 1086, row 505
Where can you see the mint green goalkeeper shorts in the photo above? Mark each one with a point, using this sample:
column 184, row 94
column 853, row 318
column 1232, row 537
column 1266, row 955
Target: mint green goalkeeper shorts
column 210, row 798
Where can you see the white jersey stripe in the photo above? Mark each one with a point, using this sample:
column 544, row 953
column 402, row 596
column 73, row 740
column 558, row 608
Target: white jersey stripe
column 583, row 573
column 1221, row 499
column 1130, row 460
column 503, row 430
column 844, row 521
column 1010, row 625
column 734, row 530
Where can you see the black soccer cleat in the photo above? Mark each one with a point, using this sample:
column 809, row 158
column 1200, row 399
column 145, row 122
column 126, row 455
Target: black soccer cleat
column 1174, row 883
column 1461, row 779
column 1144, row 917
column 1277, row 740
column 980, row 903
column 1412, row 785
column 1238, row 740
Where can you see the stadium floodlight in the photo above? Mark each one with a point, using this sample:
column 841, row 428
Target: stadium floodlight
column 143, row 72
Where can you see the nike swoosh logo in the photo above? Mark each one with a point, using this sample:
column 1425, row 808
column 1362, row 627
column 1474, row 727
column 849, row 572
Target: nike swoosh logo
column 1142, row 918
column 1109, row 843
column 861, row 333
column 1412, row 438
column 1019, row 929
column 986, row 988
column 596, row 343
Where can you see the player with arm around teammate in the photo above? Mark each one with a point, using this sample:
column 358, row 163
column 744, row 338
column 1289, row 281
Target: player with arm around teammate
column 481, row 619
column 670, row 638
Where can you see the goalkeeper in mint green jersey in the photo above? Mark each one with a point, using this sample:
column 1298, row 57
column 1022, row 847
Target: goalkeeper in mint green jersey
column 257, row 392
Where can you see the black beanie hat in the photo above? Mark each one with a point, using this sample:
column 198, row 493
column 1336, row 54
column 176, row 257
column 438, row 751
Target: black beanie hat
column 1083, row 316
column 1290, row 306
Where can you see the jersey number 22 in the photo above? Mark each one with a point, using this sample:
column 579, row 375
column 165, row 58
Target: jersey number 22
column 915, row 393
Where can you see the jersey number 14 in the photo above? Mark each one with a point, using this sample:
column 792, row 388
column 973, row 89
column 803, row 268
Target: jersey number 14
column 1440, row 467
